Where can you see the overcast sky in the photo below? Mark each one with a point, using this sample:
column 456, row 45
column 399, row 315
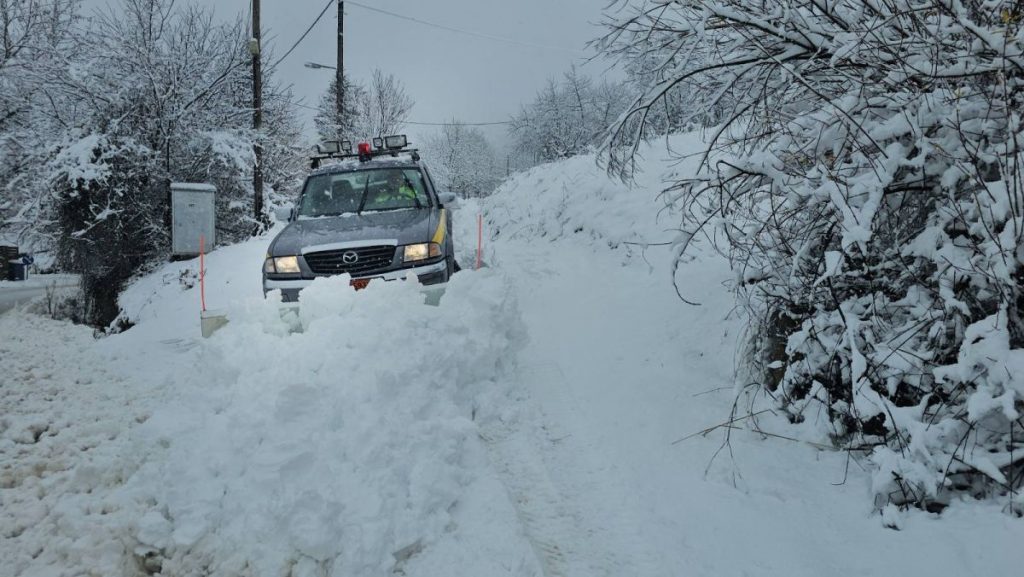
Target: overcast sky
column 449, row 75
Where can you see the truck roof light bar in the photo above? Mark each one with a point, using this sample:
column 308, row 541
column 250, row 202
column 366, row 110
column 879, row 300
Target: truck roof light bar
column 388, row 145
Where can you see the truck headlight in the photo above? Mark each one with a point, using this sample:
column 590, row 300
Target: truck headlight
column 282, row 265
column 423, row 251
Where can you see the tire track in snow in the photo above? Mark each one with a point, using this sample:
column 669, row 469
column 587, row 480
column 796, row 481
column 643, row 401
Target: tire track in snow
column 545, row 521
column 569, row 526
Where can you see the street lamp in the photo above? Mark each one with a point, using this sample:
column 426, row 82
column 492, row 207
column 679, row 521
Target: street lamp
column 316, row 65
column 339, row 88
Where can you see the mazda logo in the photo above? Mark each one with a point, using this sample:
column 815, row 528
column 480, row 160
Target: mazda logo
column 350, row 257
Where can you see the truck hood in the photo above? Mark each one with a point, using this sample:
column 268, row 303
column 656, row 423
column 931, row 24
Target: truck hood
column 404, row 226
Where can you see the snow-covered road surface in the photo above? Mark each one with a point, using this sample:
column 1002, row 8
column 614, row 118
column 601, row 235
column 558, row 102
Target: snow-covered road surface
column 15, row 293
column 616, row 369
column 341, row 440
column 524, row 427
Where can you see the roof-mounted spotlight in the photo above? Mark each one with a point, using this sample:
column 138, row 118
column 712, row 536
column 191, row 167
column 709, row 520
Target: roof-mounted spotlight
column 329, row 147
column 396, row 142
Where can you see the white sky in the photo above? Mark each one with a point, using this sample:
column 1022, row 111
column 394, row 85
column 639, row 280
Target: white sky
column 449, row 75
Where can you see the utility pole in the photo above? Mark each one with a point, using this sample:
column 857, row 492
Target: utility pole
column 341, row 65
column 257, row 116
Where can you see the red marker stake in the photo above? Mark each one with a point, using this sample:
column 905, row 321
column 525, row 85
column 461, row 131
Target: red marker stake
column 479, row 239
column 202, row 272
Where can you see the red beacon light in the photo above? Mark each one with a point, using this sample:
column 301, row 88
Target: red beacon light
column 365, row 152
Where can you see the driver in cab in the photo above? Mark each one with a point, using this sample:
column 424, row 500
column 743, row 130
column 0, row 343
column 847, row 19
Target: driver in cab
column 396, row 190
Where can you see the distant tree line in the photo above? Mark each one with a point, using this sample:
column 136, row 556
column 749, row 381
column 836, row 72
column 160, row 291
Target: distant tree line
column 463, row 161
column 569, row 116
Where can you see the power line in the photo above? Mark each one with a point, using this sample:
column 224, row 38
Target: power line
column 457, row 123
column 304, row 34
column 314, row 108
column 466, row 32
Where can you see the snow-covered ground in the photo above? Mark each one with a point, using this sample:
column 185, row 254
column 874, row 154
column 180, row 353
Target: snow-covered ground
column 13, row 293
column 340, row 440
column 526, row 426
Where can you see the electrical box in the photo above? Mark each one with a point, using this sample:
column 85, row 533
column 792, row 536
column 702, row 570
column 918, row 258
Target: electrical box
column 193, row 216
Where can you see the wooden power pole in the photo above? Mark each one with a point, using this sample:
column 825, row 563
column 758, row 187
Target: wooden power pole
column 341, row 65
column 255, row 49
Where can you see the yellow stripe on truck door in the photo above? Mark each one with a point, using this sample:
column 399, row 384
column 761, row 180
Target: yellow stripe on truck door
column 442, row 228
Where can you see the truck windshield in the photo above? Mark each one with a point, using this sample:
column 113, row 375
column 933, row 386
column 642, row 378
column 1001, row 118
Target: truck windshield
column 363, row 190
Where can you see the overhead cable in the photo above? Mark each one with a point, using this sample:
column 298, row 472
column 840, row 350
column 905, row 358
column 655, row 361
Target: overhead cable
column 304, row 34
column 466, row 32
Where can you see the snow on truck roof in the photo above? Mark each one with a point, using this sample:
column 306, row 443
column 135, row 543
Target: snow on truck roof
column 403, row 160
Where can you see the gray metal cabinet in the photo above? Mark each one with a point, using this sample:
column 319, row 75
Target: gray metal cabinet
column 193, row 215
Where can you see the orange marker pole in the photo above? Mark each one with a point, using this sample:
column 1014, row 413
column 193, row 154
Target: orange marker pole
column 202, row 272
column 479, row 239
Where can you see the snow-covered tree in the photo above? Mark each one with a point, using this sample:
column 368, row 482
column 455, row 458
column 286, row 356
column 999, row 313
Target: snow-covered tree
column 865, row 177
column 387, row 105
column 124, row 103
column 348, row 124
column 462, row 160
column 378, row 110
column 567, row 117
column 35, row 44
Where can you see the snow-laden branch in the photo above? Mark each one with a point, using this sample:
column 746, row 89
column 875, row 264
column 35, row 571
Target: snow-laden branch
column 864, row 174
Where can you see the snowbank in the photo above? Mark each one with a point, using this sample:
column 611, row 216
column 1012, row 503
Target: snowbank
column 618, row 370
column 346, row 448
column 575, row 198
column 338, row 439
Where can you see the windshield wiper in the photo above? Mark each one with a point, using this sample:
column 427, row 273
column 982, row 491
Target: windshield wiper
column 416, row 197
column 391, row 209
column 362, row 199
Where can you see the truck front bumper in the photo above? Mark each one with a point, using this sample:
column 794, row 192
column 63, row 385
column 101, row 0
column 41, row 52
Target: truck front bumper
column 428, row 275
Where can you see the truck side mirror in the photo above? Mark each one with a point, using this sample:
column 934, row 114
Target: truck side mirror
column 448, row 198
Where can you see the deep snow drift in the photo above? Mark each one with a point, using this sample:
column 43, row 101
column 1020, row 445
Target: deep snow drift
column 337, row 440
column 527, row 426
column 620, row 369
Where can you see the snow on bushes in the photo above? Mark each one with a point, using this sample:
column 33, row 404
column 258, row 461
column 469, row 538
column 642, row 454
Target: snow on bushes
column 868, row 188
column 102, row 110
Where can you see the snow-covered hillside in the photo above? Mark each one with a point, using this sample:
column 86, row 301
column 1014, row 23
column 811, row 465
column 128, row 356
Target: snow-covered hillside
column 526, row 426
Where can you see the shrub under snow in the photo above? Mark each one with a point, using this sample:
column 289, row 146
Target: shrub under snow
column 867, row 185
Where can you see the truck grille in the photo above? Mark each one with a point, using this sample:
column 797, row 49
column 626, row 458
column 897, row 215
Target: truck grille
column 332, row 262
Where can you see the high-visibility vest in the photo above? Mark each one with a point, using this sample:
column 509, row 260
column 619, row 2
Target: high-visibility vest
column 404, row 191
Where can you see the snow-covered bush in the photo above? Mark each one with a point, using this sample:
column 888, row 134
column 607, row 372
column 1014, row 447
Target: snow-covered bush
column 104, row 195
column 867, row 185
